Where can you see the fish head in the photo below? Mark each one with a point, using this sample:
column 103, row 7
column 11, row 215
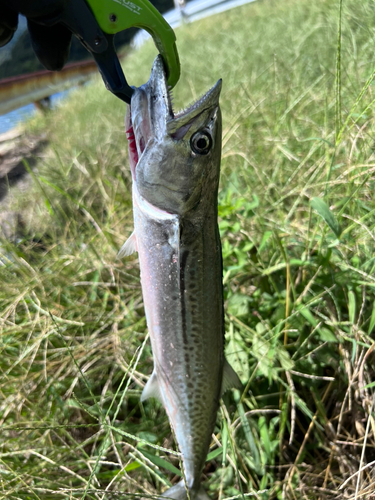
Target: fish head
column 174, row 157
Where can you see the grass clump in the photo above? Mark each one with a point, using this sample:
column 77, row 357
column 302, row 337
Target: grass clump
column 297, row 221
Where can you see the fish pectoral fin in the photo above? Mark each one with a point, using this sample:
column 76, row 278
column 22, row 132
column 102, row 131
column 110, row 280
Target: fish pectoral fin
column 128, row 247
column 230, row 379
column 151, row 389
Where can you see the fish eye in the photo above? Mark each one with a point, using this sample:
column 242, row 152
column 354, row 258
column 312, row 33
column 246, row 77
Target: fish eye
column 201, row 143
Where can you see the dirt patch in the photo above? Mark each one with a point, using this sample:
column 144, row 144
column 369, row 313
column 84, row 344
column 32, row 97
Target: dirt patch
column 18, row 153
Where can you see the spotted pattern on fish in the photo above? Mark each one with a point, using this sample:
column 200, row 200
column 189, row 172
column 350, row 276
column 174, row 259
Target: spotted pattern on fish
column 175, row 186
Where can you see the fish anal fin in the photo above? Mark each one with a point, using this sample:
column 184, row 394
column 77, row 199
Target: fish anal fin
column 128, row 247
column 151, row 389
column 230, row 378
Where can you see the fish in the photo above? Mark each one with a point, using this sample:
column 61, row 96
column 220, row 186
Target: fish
column 175, row 166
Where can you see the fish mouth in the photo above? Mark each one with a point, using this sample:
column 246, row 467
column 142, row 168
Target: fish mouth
column 150, row 116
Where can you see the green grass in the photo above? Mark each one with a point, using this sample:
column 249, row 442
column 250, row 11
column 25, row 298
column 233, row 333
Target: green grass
column 297, row 220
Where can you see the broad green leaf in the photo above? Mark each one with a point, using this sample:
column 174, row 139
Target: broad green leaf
column 248, row 206
column 284, row 358
column 264, row 437
column 214, row 454
column 91, row 410
column 160, row 462
column 325, row 212
column 72, row 403
column 325, row 334
column 254, row 452
column 306, row 313
column 265, row 238
column 132, row 466
column 351, row 306
column 238, row 358
column 264, row 482
column 149, row 437
column 238, row 305
column 260, row 328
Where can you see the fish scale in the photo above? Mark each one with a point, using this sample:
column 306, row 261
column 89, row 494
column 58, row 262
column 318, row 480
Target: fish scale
column 180, row 349
column 175, row 165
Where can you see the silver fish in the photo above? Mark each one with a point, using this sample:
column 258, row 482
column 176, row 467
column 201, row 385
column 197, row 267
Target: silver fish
column 175, row 165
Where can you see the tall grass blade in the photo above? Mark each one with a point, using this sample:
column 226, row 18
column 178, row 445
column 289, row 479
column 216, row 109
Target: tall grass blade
column 325, row 212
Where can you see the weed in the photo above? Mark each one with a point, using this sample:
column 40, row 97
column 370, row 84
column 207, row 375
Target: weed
column 297, row 222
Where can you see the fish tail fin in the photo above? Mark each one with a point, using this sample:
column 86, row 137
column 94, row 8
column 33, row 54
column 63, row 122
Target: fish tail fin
column 178, row 492
column 202, row 495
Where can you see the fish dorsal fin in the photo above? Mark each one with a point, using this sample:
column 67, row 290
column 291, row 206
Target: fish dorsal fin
column 128, row 247
column 151, row 389
column 230, row 378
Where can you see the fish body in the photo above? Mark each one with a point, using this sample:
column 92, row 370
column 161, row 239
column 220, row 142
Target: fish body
column 175, row 164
